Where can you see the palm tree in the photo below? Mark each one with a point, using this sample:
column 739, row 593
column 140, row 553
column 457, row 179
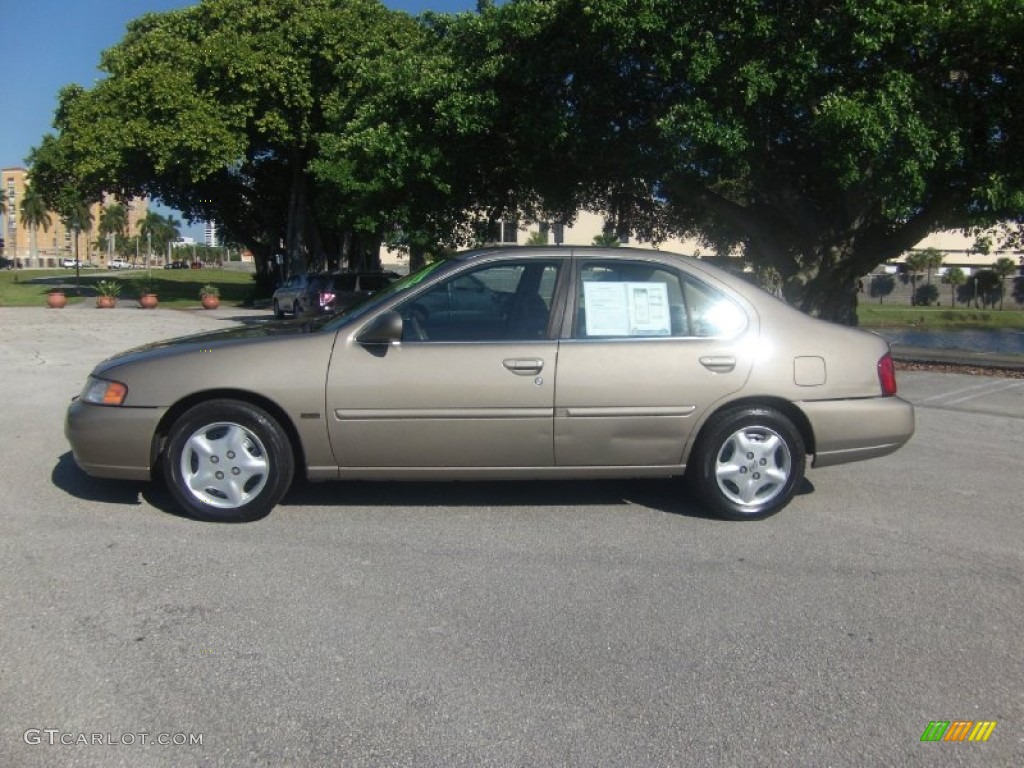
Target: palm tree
column 914, row 263
column 148, row 227
column 158, row 230
column 113, row 221
column 955, row 277
column 33, row 216
column 77, row 219
column 932, row 259
column 925, row 261
column 1003, row 267
column 172, row 231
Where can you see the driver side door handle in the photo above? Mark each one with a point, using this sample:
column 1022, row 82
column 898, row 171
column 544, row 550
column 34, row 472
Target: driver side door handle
column 524, row 366
column 718, row 364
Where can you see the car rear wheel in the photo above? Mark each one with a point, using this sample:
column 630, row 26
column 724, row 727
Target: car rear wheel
column 748, row 463
column 228, row 461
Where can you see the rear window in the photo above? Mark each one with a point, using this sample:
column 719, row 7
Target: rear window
column 344, row 282
column 373, row 282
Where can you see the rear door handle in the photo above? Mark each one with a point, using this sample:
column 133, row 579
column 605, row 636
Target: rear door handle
column 718, row 364
column 524, row 366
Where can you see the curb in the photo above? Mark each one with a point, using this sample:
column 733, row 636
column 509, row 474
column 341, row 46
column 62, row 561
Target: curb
column 957, row 357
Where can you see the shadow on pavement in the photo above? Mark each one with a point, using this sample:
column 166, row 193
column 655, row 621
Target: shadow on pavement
column 670, row 496
column 69, row 478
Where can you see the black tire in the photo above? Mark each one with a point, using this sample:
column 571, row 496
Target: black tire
column 748, row 463
column 216, row 441
column 277, row 310
column 296, row 309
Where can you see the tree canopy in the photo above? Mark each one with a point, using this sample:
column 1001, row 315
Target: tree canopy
column 821, row 138
column 217, row 109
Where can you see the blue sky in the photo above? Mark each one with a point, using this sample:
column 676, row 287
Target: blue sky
column 47, row 44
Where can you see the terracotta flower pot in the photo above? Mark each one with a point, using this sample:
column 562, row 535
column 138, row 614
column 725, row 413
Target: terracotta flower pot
column 148, row 301
column 210, row 302
column 56, row 300
column 106, row 302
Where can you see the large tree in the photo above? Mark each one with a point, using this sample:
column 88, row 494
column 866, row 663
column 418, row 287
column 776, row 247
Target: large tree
column 217, row 110
column 823, row 137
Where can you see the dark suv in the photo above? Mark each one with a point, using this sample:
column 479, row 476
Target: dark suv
column 326, row 292
column 336, row 291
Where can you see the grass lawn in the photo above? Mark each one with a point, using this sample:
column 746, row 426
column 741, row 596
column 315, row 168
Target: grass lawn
column 179, row 289
column 881, row 316
column 176, row 289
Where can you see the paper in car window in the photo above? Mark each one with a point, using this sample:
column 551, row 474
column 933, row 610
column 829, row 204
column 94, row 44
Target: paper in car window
column 627, row 309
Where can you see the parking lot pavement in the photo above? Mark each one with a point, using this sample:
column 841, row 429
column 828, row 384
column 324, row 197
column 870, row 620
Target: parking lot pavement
column 490, row 624
column 65, row 344
column 958, row 392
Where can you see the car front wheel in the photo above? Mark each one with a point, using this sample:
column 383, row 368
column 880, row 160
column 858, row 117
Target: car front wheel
column 277, row 310
column 227, row 461
column 748, row 463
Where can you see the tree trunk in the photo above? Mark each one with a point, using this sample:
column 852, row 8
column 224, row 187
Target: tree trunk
column 296, row 247
column 826, row 287
column 831, row 298
column 417, row 258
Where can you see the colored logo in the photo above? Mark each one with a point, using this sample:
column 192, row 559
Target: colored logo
column 958, row 730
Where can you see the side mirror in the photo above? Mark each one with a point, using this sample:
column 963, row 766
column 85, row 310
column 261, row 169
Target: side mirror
column 386, row 328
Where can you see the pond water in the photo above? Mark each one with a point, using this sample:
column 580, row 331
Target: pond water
column 1001, row 341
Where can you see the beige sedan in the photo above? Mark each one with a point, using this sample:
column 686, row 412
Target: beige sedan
column 504, row 364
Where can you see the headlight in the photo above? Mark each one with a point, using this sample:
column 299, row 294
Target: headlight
column 102, row 392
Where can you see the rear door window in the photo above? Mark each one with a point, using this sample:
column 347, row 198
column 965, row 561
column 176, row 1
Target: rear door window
column 650, row 300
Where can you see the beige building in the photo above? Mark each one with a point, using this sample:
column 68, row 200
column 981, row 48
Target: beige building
column 582, row 231
column 958, row 248
column 56, row 241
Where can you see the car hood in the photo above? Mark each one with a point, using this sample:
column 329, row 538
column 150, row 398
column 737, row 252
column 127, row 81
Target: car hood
column 245, row 334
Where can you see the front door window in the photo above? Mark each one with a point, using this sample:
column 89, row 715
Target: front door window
column 498, row 302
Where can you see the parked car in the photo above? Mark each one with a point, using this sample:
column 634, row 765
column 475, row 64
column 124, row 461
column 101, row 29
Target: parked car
column 292, row 296
column 176, row 265
column 326, row 292
column 504, row 364
column 71, row 263
column 334, row 291
column 119, row 264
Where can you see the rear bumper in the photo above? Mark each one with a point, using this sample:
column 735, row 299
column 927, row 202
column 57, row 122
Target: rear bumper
column 110, row 441
column 855, row 430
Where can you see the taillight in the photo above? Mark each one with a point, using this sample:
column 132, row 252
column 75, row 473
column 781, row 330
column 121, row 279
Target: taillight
column 887, row 375
column 326, row 297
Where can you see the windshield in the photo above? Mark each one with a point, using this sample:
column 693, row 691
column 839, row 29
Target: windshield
column 333, row 322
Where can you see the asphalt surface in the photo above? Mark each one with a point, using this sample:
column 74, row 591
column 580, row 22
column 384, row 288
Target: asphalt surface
column 490, row 624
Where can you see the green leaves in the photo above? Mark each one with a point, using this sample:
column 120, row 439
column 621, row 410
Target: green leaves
column 823, row 139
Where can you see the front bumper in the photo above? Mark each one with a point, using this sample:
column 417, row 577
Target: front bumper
column 112, row 441
column 855, row 430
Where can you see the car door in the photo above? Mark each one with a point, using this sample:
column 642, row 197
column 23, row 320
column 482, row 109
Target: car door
column 470, row 384
column 650, row 348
